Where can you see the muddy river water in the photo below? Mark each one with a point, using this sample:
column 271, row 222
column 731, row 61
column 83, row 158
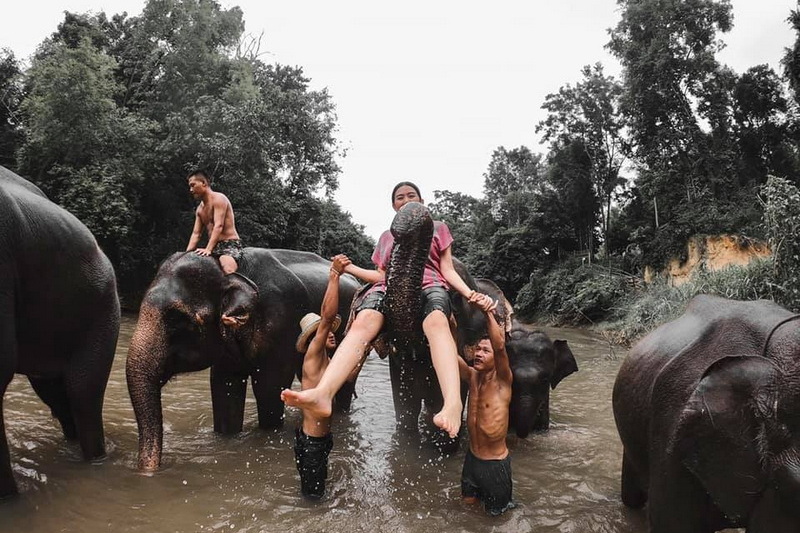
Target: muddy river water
column 565, row 480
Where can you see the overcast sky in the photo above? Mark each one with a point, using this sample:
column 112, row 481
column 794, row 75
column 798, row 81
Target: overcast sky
column 426, row 90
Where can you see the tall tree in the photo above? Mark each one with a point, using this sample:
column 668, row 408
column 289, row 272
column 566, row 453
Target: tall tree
column 791, row 57
column 668, row 53
column 509, row 183
column 589, row 116
column 10, row 100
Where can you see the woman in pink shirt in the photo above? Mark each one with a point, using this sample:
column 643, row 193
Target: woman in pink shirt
column 438, row 277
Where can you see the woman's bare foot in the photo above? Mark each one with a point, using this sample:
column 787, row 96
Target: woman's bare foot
column 312, row 401
column 449, row 420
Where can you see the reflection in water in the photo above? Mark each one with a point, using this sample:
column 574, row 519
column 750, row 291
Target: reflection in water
column 565, row 480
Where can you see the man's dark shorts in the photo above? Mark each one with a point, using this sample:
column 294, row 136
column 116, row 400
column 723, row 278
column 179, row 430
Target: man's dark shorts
column 232, row 248
column 488, row 480
column 311, row 458
column 433, row 299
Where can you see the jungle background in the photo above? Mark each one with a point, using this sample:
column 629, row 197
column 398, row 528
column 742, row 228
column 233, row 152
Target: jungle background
column 113, row 111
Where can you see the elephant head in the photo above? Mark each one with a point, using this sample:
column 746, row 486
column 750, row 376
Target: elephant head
column 740, row 428
column 538, row 365
column 181, row 329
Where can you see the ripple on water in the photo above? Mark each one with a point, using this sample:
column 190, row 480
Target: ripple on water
column 565, row 480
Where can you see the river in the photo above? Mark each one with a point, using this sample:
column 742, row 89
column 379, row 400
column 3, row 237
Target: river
column 565, row 480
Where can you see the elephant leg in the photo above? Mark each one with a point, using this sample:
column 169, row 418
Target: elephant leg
column 633, row 494
column 407, row 404
column 542, row 421
column 8, row 365
column 85, row 381
column 7, row 485
column 53, row 393
column 677, row 502
column 769, row 516
column 228, row 393
column 268, row 394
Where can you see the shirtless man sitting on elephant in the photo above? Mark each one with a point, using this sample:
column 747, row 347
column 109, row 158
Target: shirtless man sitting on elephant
column 486, row 474
column 215, row 214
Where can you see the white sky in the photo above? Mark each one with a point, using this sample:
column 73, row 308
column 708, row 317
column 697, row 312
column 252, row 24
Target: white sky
column 426, row 90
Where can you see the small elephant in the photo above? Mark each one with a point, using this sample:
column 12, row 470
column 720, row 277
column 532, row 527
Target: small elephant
column 538, row 365
column 707, row 410
column 59, row 315
column 243, row 325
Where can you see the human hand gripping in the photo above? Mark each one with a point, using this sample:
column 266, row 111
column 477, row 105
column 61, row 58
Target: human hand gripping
column 339, row 263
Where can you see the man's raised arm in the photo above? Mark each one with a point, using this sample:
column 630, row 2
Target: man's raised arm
column 497, row 336
column 330, row 303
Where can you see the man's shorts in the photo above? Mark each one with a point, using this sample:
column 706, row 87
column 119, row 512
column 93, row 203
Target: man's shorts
column 489, row 481
column 232, row 248
column 434, row 298
column 311, row 458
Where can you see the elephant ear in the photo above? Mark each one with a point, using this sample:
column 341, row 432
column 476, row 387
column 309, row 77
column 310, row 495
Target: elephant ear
column 717, row 432
column 565, row 362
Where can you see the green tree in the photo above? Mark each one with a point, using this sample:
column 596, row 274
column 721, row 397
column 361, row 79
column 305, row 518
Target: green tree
column 10, row 99
column 588, row 115
column 510, row 182
column 671, row 88
column 791, row 57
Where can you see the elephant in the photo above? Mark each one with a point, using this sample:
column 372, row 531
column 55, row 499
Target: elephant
column 242, row 325
column 537, row 363
column 707, row 410
column 59, row 315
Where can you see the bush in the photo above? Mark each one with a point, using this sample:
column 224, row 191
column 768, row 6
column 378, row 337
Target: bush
column 641, row 311
column 571, row 293
column 782, row 221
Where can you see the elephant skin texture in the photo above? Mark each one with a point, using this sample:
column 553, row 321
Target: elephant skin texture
column 243, row 325
column 59, row 315
column 707, row 410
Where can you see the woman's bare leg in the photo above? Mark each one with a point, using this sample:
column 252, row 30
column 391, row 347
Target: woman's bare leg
column 444, row 354
column 318, row 401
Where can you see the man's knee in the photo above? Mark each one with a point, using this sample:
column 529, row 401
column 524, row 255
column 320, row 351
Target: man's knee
column 228, row 264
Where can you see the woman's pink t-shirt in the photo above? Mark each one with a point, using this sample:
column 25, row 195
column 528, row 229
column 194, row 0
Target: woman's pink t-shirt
column 432, row 275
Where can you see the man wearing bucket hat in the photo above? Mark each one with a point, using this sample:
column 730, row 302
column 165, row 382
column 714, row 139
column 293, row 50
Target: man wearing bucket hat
column 313, row 440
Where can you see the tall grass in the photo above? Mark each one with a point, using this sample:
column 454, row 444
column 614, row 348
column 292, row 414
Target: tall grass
column 638, row 312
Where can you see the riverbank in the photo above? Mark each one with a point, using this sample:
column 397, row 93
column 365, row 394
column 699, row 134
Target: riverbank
column 625, row 311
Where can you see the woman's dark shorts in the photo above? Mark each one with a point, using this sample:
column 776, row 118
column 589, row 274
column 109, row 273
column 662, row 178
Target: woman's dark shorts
column 433, row 299
column 232, row 248
column 488, row 480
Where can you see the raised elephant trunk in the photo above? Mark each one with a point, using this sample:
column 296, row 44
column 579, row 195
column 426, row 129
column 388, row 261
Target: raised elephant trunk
column 412, row 229
column 143, row 371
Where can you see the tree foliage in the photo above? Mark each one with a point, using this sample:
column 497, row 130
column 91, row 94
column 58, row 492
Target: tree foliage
column 118, row 110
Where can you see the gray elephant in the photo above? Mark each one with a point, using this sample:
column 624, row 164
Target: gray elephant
column 538, row 364
column 707, row 409
column 59, row 315
column 242, row 325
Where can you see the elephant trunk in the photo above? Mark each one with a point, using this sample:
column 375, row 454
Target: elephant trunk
column 143, row 370
column 524, row 410
column 412, row 229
